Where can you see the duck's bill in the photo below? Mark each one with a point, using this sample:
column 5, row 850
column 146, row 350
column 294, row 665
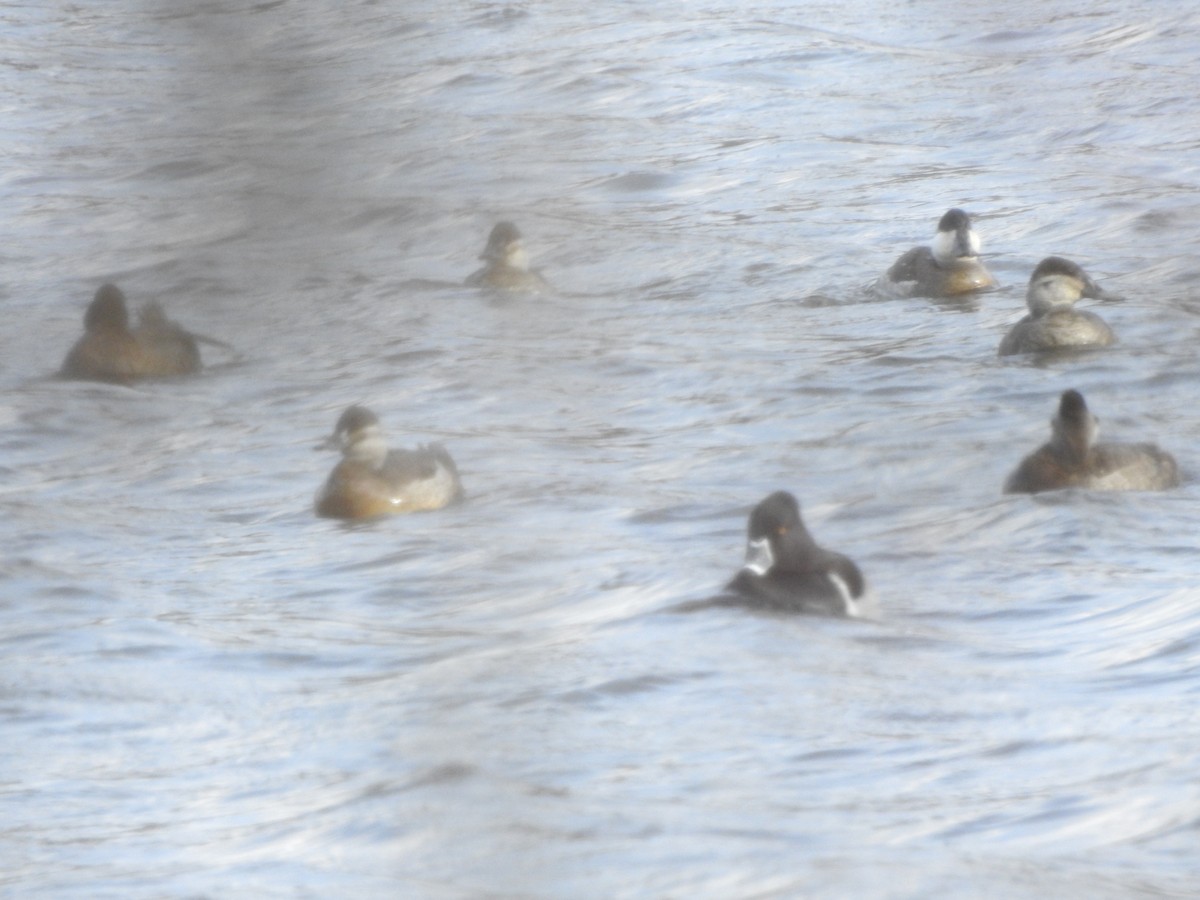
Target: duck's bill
column 759, row 558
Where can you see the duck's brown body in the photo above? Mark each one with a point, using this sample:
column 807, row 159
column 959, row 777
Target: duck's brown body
column 933, row 279
column 112, row 351
column 372, row 481
column 409, row 481
column 1072, row 458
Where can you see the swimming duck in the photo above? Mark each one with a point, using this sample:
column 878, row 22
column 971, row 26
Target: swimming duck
column 785, row 570
column 112, row 351
column 506, row 263
column 1072, row 458
column 373, row 481
column 1053, row 322
column 949, row 267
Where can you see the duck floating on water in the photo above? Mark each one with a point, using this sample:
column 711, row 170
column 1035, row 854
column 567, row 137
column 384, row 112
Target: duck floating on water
column 785, row 569
column 507, row 264
column 372, row 481
column 948, row 267
column 1053, row 323
column 1072, row 458
column 110, row 350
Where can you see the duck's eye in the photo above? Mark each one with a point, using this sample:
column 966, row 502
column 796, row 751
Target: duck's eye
column 781, row 530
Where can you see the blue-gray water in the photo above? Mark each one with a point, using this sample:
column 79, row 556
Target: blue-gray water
column 207, row 691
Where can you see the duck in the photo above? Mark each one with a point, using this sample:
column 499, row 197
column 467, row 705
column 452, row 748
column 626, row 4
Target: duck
column 1053, row 323
column 1072, row 458
column 112, row 351
column 372, row 481
column 507, row 264
column 949, row 267
column 785, row 569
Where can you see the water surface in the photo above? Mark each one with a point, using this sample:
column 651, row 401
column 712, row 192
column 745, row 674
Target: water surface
column 209, row 692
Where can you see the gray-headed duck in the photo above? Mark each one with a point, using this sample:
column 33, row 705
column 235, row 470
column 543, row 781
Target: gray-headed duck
column 1053, row 323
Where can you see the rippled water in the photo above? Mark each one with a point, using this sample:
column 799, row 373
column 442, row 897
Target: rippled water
column 209, row 692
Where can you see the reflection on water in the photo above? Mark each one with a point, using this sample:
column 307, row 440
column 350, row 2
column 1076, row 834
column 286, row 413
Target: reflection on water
column 207, row 687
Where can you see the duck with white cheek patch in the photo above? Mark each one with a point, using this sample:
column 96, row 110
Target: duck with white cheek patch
column 372, row 481
column 506, row 264
column 1053, row 322
column 948, row 267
